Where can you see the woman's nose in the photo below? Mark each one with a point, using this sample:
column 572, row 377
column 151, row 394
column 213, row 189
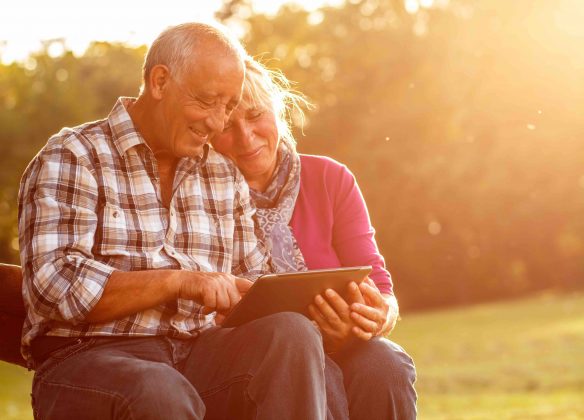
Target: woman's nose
column 243, row 133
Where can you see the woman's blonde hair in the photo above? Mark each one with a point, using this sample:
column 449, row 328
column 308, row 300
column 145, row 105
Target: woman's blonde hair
column 264, row 88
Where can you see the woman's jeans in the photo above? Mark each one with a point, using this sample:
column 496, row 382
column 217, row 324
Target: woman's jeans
column 379, row 379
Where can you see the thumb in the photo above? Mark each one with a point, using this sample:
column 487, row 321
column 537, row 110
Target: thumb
column 219, row 318
column 207, row 310
column 243, row 285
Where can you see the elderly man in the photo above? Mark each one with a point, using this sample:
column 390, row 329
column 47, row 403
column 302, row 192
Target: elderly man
column 133, row 234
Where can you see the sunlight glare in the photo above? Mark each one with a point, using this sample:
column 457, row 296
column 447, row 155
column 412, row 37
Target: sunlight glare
column 412, row 6
column 569, row 17
column 23, row 27
column 56, row 49
column 434, row 228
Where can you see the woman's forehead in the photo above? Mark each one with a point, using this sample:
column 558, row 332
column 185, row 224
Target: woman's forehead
column 250, row 101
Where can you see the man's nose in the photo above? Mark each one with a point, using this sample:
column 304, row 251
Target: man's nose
column 216, row 119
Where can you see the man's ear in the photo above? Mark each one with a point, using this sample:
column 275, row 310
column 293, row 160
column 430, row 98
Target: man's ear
column 158, row 80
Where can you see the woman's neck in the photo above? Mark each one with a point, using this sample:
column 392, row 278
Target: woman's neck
column 259, row 183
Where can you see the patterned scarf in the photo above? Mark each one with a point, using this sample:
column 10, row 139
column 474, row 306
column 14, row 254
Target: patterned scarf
column 274, row 211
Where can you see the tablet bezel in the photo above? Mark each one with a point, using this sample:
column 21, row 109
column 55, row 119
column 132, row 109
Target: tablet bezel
column 291, row 292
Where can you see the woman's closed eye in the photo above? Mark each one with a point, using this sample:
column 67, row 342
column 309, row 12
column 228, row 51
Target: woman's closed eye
column 254, row 114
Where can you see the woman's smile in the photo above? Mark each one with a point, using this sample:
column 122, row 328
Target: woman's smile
column 250, row 155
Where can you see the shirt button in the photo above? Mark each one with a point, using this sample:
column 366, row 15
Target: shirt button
column 172, row 213
column 116, row 214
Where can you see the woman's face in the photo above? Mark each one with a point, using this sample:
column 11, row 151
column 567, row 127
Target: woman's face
column 250, row 139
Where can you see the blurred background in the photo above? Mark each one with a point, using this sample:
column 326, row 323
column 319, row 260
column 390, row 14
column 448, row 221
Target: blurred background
column 463, row 123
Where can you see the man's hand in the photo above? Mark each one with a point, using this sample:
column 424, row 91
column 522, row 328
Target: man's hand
column 215, row 291
column 331, row 313
column 377, row 316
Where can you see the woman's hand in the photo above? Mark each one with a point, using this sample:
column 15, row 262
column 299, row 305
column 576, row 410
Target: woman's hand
column 332, row 315
column 377, row 315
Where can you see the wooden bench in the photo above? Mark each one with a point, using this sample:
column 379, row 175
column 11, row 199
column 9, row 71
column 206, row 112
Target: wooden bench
column 11, row 314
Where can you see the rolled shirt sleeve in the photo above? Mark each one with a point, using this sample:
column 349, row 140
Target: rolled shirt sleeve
column 57, row 224
column 353, row 234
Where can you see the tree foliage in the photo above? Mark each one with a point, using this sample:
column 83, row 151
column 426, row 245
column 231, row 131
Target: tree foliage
column 45, row 93
column 462, row 124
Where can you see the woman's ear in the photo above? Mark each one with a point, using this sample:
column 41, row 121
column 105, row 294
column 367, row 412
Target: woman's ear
column 158, row 80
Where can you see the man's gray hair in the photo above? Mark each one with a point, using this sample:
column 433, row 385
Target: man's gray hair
column 176, row 46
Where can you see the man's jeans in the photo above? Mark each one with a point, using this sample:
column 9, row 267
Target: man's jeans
column 269, row 368
column 273, row 367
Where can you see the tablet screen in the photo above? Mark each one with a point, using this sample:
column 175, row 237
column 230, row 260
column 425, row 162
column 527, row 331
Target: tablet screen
column 291, row 292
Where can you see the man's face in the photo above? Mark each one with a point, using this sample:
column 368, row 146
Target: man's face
column 196, row 108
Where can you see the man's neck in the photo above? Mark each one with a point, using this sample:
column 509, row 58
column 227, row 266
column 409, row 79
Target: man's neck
column 141, row 115
column 140, row 112
column 167, row 172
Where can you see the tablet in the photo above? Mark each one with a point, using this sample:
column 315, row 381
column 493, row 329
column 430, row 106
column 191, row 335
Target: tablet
column 291, row 292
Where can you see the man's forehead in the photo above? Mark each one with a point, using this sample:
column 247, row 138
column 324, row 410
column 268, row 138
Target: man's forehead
column 212, row 47
column 215, row 80
column 217, row 63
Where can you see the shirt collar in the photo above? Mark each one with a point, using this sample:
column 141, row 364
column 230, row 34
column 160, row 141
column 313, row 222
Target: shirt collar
column 205, row 154
column 124, row 133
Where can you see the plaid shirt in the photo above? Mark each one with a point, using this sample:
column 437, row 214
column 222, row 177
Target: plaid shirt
column 90, row 204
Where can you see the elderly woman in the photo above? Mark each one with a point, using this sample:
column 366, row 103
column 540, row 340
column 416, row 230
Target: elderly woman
column 313, row 216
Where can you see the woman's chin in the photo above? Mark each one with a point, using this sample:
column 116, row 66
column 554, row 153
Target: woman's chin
column 253, row 165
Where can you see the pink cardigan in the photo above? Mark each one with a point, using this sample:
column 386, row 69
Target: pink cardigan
column 331, row 222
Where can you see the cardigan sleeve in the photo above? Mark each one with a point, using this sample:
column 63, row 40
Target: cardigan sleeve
column 353, row 236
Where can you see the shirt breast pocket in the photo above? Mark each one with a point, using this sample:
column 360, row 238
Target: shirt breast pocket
column 112, row 236
column 127, row 232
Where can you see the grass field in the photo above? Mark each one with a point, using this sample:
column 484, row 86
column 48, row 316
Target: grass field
column 512, row 360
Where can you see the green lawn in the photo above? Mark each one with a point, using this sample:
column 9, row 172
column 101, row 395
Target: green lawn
column 15, row 385
column 514, row 360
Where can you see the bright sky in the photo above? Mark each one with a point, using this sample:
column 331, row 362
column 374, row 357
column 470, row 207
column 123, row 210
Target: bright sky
column 24, row 24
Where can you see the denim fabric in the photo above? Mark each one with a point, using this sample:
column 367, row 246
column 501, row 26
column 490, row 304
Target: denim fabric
column 111, row 378
column 379, row 379
column 273, row 367
column 336, row 397
column 281, row 359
